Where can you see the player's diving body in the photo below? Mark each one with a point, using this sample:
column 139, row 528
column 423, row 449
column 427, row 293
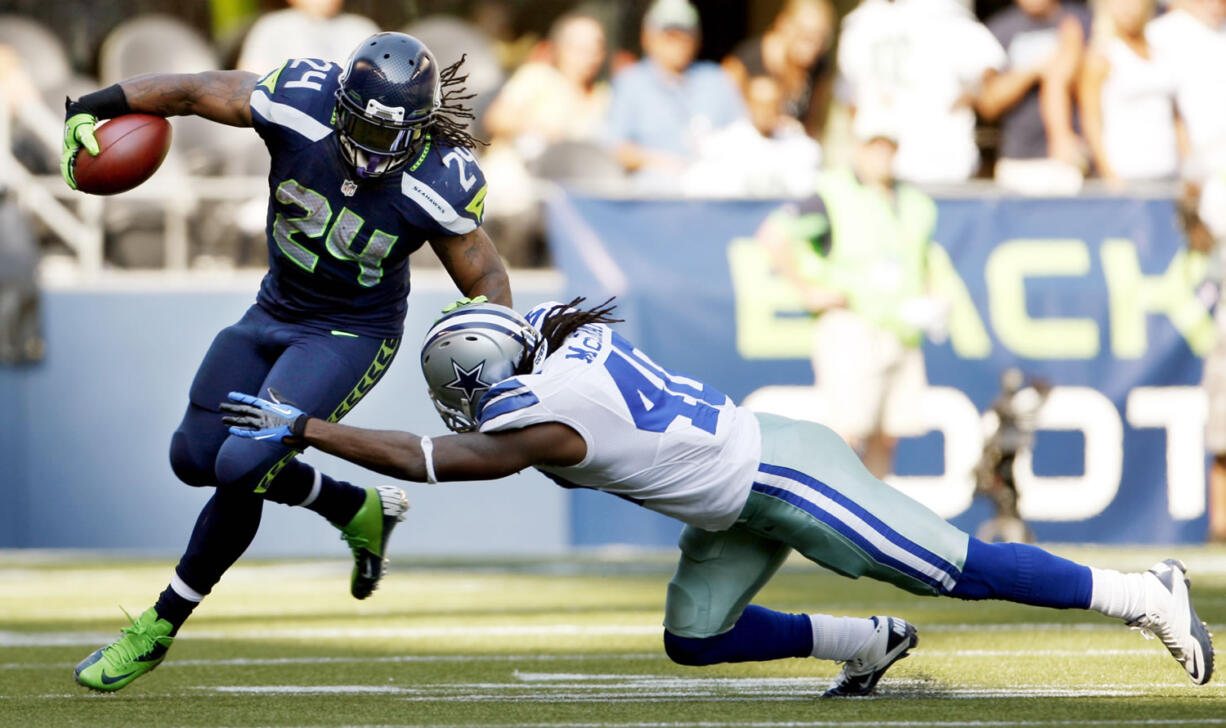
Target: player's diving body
column 369, row 163
column 559, row 390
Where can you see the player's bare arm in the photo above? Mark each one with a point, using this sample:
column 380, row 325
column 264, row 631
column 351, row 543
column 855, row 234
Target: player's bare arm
column 221, row 96
column 466, row 456
column 475, row 266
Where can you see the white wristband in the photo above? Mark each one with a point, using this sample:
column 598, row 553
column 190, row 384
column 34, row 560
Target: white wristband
column 427, row 453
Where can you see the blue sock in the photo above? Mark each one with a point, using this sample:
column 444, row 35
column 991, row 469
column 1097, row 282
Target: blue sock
column 1025, row 574
column 760, row 634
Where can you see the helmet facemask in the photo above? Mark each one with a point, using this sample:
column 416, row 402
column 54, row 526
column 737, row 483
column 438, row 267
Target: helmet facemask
column 469, row 351
column 377, row 140
column 388, row 95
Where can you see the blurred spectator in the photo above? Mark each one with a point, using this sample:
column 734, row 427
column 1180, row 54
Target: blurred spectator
column 496, row 20
column 919, row 62
column 32, row 141
column 20, row 338
column 666, row 103
column 767, row 154
column 1207, row 234
column 1032, row 95
column 1127, row 103
column 306, row 29
column 557, row 99
column 795, row 52
column 856, row 251
column 1190, row 41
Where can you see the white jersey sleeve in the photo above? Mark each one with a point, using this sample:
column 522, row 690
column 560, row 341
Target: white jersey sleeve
column 667, row 442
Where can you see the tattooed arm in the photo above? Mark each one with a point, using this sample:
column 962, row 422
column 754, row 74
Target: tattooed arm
column 474, row 265
column 221, row 96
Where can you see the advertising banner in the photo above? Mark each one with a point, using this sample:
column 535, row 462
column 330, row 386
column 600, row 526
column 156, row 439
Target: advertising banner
column 1097, row 297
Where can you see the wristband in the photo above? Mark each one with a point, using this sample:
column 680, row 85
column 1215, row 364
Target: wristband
column 105, row 104
column 427, row 454
column 297, row 428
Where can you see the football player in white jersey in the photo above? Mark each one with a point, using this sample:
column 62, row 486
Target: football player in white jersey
column 560, row 391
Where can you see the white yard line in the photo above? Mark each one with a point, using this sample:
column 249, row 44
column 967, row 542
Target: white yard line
column 62, row 639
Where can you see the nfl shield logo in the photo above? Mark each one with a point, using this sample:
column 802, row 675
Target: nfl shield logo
column 348, row 188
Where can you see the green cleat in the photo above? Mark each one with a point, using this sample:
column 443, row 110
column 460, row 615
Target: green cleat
column 367, row 534
column 141, row 648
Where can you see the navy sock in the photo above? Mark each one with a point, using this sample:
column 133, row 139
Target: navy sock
column 1025, row 574
column 336, row 501
column 173, row 608
column 760, row 634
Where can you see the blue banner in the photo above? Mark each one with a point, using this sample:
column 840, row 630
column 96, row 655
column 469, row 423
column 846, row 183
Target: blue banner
column 1096, row 296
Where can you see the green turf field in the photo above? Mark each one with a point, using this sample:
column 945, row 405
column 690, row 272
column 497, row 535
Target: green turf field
column 566, row 642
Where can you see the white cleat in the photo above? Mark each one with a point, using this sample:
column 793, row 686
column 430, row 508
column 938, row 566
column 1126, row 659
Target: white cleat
column 1169, row 616
column 891, row 642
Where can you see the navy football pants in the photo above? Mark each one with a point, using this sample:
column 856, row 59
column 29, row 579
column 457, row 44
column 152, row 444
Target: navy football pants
column 322, row 372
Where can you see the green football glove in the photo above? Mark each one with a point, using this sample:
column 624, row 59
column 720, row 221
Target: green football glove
column 78, row 132
column 464, row 302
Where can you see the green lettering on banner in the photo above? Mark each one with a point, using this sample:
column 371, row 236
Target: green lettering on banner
column 1134, row 295
column 967, row 334
column 761, row 297
column 1038, row 338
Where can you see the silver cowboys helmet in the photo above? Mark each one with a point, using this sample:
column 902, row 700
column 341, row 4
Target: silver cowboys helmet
column 470, row 350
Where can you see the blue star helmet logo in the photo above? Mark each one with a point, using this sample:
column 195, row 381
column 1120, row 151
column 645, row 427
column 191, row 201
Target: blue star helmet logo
column 468, row 381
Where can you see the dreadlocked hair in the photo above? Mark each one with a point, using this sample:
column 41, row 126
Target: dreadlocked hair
column 450, row 121
column 565, row 319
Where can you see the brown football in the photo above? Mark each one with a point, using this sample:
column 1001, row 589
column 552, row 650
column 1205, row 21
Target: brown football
column 130, row 150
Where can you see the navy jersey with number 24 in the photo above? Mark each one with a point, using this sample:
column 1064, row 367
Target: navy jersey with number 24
column 338, row 246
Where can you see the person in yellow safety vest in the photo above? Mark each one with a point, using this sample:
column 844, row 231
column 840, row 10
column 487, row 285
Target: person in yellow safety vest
column 856, row 252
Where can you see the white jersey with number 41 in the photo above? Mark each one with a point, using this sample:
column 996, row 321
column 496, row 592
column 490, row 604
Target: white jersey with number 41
column 667, row 442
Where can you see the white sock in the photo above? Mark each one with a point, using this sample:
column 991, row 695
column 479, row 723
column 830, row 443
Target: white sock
column 1117, row 595
column 839, row 638
column 181, row 588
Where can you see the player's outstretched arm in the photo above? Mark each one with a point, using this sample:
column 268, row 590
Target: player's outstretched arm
column 475, row 266
column 221, row 96
column 466, row 456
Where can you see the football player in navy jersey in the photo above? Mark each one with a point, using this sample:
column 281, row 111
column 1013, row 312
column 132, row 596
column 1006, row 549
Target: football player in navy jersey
column 557, row 389
column 370, row 161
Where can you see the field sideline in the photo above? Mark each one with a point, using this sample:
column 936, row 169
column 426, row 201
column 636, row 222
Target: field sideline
column 572, row 642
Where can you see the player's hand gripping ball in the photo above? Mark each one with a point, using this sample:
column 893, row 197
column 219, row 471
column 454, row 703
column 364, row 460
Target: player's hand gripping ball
column 125, row 151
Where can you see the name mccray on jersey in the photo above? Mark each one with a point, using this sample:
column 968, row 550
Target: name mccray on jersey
column 338, row 246
column 664, row 441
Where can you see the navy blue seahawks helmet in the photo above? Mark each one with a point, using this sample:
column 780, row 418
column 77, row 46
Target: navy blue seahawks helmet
column 389, row 91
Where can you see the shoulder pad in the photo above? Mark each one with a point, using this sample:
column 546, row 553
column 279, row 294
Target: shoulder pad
column 448, row 184
column 297, row 96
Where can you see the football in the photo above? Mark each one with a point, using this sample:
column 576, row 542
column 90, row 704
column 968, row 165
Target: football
column 130, row 149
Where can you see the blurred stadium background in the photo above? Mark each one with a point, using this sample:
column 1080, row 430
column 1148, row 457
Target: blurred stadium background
column 108, row 302
column 1088, row 286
